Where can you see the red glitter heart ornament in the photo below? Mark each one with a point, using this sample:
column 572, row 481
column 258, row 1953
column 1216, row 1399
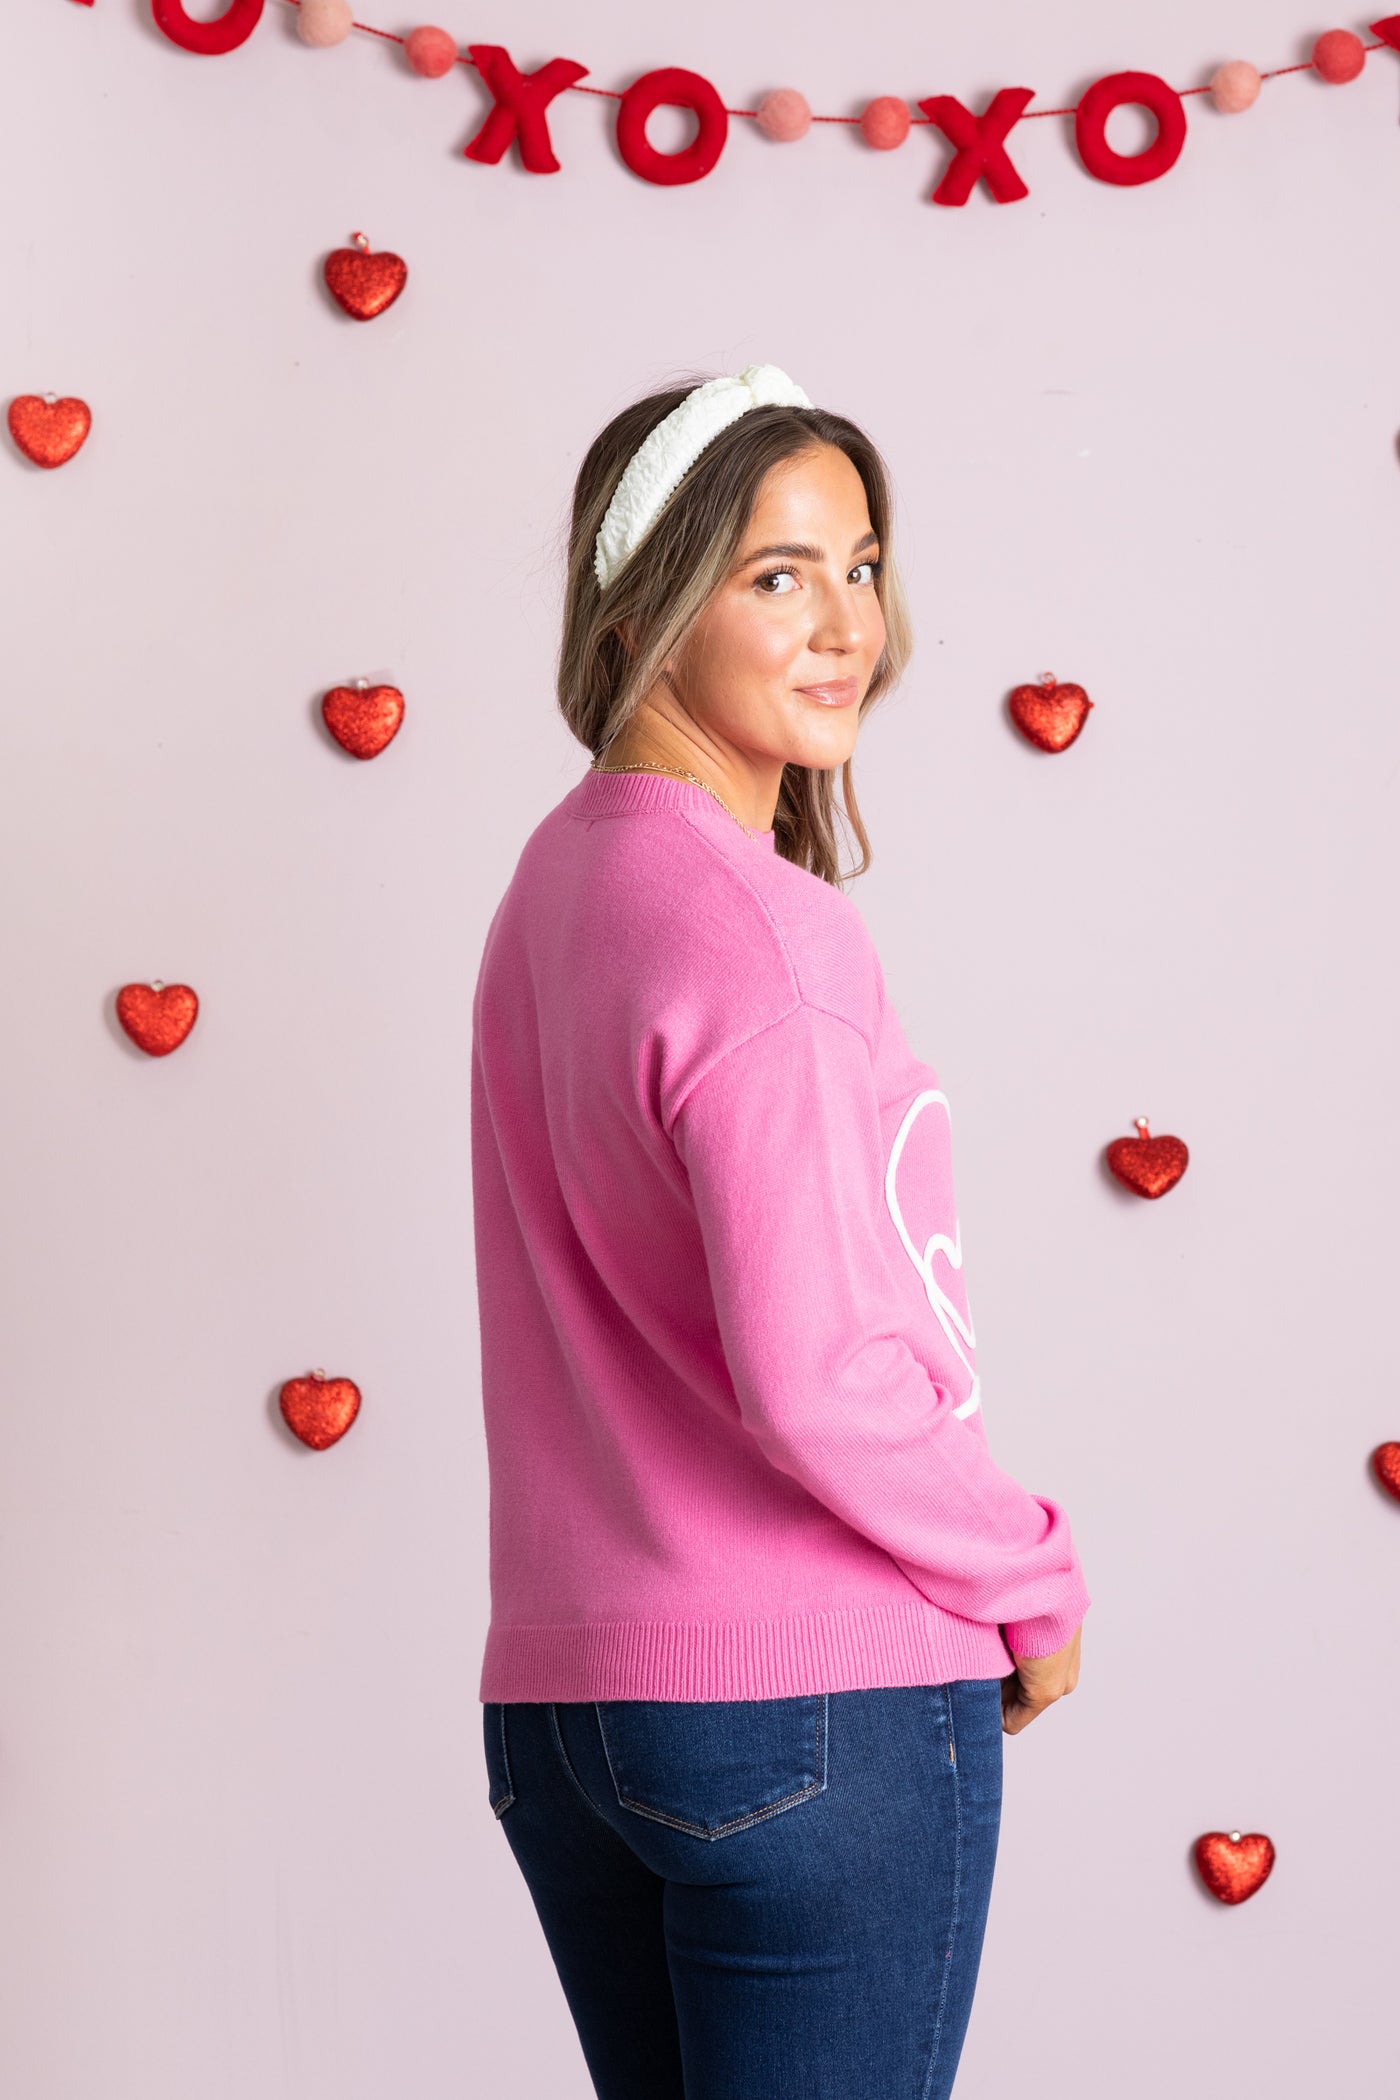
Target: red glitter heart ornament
column 1050, row 714
column 361, row 283
column 1149, row 1166
column 49, row 430
column 157, row 1016
column 1234, row 1865
column 363, row 718
column 319, row 1409
column 1385, row 1464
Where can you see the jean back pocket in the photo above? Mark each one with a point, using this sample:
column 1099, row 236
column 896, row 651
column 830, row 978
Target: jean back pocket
column 498, row 1772
column 712, row 1767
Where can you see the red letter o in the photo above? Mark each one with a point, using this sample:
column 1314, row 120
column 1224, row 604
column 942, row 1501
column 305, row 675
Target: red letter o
column 1092, row 116
column 228, row 30
column 671, row 84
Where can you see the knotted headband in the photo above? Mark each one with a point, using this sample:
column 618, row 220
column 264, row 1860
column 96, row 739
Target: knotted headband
column 657, row 467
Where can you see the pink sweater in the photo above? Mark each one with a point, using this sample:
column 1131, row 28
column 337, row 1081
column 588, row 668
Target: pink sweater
column 732, row 1416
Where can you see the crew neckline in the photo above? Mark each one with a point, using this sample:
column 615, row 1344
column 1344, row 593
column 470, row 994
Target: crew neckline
column 601, row 794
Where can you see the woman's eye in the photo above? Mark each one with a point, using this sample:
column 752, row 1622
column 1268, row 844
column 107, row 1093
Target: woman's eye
column 771, row 576
column 872, row 566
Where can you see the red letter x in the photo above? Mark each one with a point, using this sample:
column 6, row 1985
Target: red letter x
column 979, row 143
column 521, row 101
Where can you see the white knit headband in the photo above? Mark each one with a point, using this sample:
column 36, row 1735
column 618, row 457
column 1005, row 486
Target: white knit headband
column 666, row 454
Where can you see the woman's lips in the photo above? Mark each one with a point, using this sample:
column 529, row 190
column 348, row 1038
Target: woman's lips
column 837, row 692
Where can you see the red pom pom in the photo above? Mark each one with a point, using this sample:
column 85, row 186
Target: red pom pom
column 784, row 115
column 1338, row 55
column 884, row 123
column 430, row 52
column 1234, row 86
column 322, row 23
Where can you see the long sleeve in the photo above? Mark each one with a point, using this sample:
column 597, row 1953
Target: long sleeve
column 781, row 1140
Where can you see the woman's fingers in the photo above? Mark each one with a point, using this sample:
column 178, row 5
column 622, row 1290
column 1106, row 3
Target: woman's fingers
column 1037, row 1682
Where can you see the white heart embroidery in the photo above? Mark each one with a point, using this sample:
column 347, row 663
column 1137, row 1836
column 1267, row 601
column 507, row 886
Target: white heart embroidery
column 945, row 1310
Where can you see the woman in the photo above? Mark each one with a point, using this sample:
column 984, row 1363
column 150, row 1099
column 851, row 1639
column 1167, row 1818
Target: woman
column 762, row 1604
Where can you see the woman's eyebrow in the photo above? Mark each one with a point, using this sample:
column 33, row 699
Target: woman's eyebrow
column 795, row 550
column 798, row 550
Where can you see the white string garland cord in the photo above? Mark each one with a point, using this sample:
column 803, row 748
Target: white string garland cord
column 657, row 467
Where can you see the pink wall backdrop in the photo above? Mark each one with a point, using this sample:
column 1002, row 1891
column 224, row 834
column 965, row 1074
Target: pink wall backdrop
column 1144, row 438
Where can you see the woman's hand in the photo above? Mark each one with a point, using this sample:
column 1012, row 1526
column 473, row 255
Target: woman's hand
column 1037, row 1682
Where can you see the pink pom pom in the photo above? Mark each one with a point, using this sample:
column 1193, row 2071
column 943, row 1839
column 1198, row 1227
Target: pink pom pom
column 1234, row 86
column 885, row 123
column 784, row 115
column 430, row 52
column 1338, row 55
column 323, row 22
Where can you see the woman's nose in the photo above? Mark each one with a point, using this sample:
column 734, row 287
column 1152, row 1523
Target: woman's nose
column 839, row 624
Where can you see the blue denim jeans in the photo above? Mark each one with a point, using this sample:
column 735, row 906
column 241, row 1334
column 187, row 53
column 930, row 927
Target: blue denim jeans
column 760, row 1899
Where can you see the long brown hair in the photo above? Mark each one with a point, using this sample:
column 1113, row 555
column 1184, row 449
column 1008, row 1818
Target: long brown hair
column 685, row 556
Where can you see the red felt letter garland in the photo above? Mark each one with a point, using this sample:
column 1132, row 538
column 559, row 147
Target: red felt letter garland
column 979, row 141
column 521, row 100
column 225, row 33
column 1091, row 119
column 671, row 84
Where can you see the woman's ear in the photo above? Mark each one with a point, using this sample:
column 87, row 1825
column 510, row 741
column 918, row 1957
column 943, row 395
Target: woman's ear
column 626, row 634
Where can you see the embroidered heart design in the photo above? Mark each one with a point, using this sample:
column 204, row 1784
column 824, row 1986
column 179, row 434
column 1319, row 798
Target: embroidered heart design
column 1234, row 1866
column 1049, row 714
column 319, row 1409
column 1149, row 1166
column 918, row 1198
column 361, row 283
column 48, row 430
column 157, row 1016
column 1385, row 1464
column 363, row 718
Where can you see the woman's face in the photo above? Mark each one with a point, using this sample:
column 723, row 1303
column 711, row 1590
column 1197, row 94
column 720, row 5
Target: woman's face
column 779, row 661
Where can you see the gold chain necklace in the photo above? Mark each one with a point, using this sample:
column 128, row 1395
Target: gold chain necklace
column 651, row 765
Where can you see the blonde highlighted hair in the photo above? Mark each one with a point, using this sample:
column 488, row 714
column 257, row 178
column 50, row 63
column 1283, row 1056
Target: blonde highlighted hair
column 683, row 559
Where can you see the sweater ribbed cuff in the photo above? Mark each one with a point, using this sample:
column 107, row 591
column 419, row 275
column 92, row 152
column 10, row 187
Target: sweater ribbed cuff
column 1041, row 1636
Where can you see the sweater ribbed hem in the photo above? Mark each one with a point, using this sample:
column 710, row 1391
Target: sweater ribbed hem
column 839, row 1651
